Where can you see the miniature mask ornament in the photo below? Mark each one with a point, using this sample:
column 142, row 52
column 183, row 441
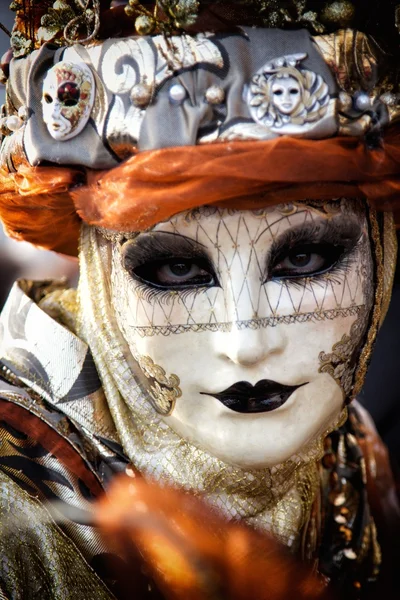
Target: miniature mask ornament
column 68, row 98
column 286, row 94
column 246, row 325
column 287, row 98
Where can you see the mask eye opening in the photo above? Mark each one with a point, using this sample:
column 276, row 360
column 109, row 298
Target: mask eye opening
column 68, row 93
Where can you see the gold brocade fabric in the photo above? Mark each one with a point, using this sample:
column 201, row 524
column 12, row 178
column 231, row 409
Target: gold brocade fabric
column 36, row 556
column 389, row 261
column 277, row 500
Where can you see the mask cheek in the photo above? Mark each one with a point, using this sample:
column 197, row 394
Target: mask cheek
column 71, row 115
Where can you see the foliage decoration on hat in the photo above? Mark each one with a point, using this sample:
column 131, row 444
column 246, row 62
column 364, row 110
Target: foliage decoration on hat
column 72, row 21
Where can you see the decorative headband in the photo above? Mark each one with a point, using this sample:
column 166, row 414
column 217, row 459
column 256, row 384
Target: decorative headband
column 95, row 106
column 148, row 109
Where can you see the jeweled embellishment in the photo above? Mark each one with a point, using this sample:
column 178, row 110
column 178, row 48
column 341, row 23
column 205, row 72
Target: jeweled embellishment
column 141, row 95
column 68, row 98
column 287, row 98
column 215, row 94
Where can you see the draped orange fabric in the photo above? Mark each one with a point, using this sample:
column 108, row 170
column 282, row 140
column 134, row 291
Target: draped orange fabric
column 152, row 186
column 42, row 204
column 35, row 206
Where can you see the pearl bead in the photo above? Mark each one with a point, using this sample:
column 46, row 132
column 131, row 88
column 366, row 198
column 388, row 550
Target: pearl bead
column 215, row 95
column 23, row 113
column 14, row 123
column 144, row 25
column 177, row 93
column 362, row 102
column 141, row 95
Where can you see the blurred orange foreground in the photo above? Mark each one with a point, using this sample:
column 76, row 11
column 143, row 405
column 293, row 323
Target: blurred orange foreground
column 192, row 553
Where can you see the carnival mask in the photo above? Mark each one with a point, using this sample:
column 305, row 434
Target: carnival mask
column 67, row 101
column 286, row 97
column 286, row 93
column 246, row 326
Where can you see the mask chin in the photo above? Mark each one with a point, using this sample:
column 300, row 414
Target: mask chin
column 254, row 442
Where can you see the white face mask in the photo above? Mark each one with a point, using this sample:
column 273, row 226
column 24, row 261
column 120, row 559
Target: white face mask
column 246, row 325
column 286, row 94
column 67, row 100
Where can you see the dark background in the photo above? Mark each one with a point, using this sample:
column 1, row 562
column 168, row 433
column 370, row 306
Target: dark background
column 380, row 394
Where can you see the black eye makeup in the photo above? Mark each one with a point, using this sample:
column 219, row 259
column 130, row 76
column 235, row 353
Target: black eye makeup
column 306, row 261
column 314, row 249
column 164, row 261
column 168, row 261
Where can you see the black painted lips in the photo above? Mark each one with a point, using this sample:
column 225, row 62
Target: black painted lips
column 264, row 396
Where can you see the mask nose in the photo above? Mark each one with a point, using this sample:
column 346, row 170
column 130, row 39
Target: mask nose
column 250, row 346
column 286, row 96
column 250, row 339
column 56, row 110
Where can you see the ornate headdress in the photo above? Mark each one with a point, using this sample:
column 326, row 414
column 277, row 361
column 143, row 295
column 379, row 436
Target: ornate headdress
column 124, row 113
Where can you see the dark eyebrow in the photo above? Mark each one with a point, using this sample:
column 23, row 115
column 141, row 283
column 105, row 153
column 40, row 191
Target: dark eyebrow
column 159, row 245
column 342, row 231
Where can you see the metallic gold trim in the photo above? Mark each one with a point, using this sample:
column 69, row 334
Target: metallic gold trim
column 163, row 390
column 336, row 363
column 389, row 260
column 366, row 351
